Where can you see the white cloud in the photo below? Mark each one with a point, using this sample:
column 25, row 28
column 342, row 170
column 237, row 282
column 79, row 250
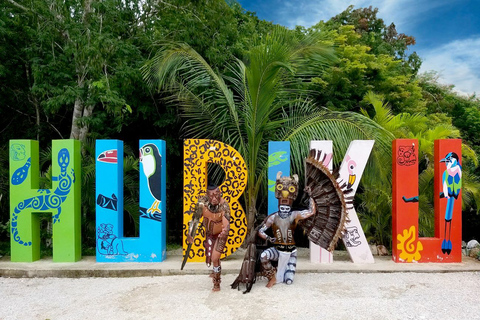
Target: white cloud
column 457, row 63
column 404, row 13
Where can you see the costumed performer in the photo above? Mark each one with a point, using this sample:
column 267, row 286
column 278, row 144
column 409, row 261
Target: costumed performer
column 216, row 219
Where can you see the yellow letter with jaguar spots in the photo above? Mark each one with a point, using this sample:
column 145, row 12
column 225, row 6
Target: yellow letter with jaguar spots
column 197, row 154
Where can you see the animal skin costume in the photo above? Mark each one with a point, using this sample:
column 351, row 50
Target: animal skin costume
column 216, row 220
column 323, row 223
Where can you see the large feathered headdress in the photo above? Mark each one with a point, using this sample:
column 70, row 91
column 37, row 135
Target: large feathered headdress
column 328, row 224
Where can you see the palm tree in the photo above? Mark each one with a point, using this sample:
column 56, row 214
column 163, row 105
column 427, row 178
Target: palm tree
column 258, row 100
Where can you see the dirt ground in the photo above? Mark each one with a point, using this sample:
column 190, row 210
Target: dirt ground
column 312, row 296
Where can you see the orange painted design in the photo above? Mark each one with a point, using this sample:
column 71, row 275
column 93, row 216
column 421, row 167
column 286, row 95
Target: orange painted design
column 197, row 154
column 405, row 160
column 409, row 246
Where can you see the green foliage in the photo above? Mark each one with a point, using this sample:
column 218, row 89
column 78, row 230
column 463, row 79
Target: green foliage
column 464, row 111
column 382, row 39
column 72, row 69
column 359, row 70
column 257, row 101
column 76, row 58
column 198, row 24
column 4, row 200
column 76, row 66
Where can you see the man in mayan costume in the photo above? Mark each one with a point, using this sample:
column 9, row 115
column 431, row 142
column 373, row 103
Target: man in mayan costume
column 323, row 222
column 283, row 224
column 216, row 219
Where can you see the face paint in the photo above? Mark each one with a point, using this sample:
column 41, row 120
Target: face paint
column 214, row 196
column 284, row 211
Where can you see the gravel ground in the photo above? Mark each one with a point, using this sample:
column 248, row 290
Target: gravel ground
column 312, row 296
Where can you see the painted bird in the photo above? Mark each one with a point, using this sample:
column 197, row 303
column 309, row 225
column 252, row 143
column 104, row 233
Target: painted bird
column 351, row 165
column 452, row 183
column 152, row 164
column 109, row 156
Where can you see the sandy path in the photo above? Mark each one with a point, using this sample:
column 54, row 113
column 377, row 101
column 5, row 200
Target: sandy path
column 312, row 296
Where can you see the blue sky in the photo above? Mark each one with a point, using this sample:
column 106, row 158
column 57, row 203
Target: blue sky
column 447, row 31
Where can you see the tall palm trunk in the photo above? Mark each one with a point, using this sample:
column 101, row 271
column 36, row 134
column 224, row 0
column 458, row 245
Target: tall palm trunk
column 252, row 214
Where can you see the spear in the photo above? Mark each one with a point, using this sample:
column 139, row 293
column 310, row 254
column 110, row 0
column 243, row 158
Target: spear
column 193, row 232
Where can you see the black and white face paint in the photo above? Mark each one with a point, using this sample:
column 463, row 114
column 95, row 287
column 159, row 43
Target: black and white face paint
column 284, row 211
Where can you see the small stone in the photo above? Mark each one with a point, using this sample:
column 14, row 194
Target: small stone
column 473, row 244
column 474, row 252
column 382, row 250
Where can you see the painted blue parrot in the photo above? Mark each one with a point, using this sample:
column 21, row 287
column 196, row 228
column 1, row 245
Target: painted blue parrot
column 452, row 184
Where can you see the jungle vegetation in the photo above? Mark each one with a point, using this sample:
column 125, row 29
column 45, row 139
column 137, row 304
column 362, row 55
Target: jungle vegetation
column 172, row 70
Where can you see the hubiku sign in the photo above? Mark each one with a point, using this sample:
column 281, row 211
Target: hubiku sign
column 63, row 201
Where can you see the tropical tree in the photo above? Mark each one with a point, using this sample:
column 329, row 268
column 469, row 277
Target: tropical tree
column 256, row 101
column 377, row 35
column 75, row 58
column 360, row 68
column 465, row 114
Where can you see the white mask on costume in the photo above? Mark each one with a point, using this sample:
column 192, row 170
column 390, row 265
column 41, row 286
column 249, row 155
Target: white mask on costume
column 284, row 211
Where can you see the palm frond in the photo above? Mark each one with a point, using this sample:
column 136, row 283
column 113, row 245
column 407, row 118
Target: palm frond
column 470, row 191
column 343, row 127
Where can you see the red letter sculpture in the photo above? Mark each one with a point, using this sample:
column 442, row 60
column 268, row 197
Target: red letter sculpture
column 446, row 245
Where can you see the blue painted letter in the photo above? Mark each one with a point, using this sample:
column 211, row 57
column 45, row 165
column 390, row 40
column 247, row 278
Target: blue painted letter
column 150, row 246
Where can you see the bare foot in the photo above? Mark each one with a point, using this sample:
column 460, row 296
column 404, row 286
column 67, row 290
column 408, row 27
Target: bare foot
column 272, row 282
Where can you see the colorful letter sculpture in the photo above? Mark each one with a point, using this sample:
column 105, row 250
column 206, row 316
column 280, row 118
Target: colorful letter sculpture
column 278, row 160
column 446, row 245
column 150, row 246
column 197, row 154
column 351, row 171
column 62, row 201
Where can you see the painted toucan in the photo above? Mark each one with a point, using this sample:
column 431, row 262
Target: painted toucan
column 152, row 164
column 452, row 184
column 109, row 156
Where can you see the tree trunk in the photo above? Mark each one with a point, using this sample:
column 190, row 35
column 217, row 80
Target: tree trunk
column 87, row 112
column 80, row 132
column 77, row 114
column 37, row 113
column 252, row 213
column 79, row 110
